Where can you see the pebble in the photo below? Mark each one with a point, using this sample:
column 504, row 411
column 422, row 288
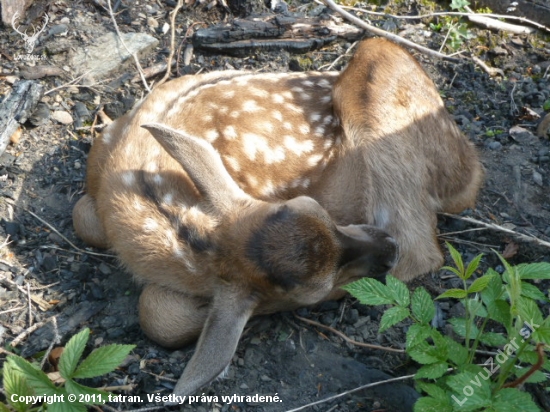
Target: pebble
column 62, row 117
column 494, row 145
column 537, row 178
column 77, row 165
column 103, row 268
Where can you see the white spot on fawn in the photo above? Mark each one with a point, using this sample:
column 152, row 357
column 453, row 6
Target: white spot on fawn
column 228, row 94
column 277, row 98
column 157, row 179
column 328, row 120
column 259, row 92
column 326, row 99
column 288, row 126
column 168, row 199
column 128, row 178
column 304, row 128
column 305, row 96
column 324, row 83
column 230, row 133
column 211, row 135
column 277, row 115
column 320, row 130
column 233, row 163
column 298, row 147
column 314, row 160
column 297, row 89
column 314, row 117
column 150, row 225
column 251, row 106
column 307, row 83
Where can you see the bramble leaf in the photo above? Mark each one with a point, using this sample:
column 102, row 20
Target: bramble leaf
column 392, row 316
column 453, row 293
column 72, row 353
column 422, row 305
column 369, row 291
column 398, row 290
column 102, row 360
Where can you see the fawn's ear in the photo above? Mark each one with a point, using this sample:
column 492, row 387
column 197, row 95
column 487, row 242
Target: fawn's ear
column 366, row 251
column 203, row 165
column 228, row 315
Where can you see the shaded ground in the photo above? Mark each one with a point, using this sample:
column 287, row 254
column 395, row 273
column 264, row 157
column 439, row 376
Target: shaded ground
column 279, row 354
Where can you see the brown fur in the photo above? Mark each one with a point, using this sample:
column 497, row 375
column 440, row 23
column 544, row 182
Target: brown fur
column 259, row 193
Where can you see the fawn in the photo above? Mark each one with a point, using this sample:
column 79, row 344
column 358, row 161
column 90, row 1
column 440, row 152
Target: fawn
column 231, row 194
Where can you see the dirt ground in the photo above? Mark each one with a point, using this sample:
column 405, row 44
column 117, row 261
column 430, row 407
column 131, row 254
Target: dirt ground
column 42, row 176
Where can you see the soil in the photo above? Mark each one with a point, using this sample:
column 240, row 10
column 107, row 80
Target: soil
column 42, row 176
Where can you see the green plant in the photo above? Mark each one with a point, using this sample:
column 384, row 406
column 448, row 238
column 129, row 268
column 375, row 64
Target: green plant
column 24, row 380
column 450, row 374
column 546, row 106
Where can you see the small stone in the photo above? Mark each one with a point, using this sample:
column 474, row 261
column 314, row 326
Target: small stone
column 62, row 117
column 494, row 145
column 240, row 362
column 152, row 23
column 537, row 178
column 103, row 268
column 244, row 386
column 265, row 378
column 77, row 165
column 255, row 341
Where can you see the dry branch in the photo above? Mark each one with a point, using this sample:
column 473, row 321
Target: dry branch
column 17, row 108
column 393, row 37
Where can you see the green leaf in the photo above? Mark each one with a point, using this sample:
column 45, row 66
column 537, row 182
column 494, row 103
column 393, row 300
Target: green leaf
column 103, row 360
column 477, row 308
column 15, row 384
column 493, row 339
column 392, row 316
column 66, row 407
column 457, row 259
column 453, row 293
column 77, row 389
column 369, row 291
column 459, row 4
column 416, row 334
column 452, row 270
column 398, row 290
column 72, row 353
column 529, row 311
column 429, row 404
column 532, row 292
column 457, row 353
column 539, row 270
column 536, row 377
column 433, row 390
column 424, row 354
column 513, row 400
column 459, row 326
column 479, row 284
column 495, row 288
column 546, row 105
column 471, row 390
column 499, row 310
column 422, row 306
column 35, row 378
column 473, row 265
column 433, row 371
column 542, row 335
column 4, row 408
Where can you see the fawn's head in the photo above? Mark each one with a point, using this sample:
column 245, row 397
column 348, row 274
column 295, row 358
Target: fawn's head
column 267, row 256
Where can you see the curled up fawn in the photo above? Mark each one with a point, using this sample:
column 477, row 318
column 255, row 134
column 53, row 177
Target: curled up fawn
column 231, row 194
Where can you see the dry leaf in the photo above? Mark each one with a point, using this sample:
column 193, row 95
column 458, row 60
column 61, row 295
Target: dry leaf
column 54, row 356
column 510, row 250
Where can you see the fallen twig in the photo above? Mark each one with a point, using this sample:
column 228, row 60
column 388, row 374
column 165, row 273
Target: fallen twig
column 347, row 339
column 526, row 238
column 138, row 65
column 56, row 340
column 387, row 35
column 451, row 13
column 489, row 70
column 28, row 331
column 360, row 388
column 65, row 239
column 172, row 42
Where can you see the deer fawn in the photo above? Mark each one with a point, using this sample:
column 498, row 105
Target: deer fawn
column 232, row 194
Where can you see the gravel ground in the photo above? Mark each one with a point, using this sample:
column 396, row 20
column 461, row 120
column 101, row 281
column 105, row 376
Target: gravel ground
column 42, row 176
